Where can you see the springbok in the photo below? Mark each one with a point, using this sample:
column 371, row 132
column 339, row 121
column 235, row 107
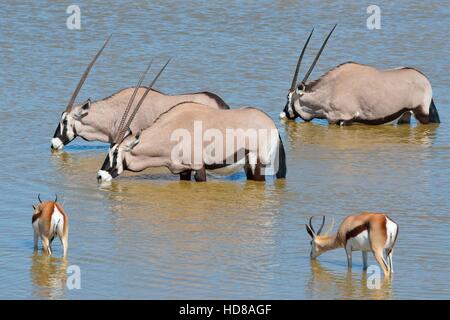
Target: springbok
column 161, row 146
column 99, row 120
column 353, row 92
column 364, row 232
column 50, row 220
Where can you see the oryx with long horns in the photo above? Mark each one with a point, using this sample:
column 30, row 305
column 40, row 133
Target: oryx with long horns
column 353, row 92
column 190, row 138
column 99, row 120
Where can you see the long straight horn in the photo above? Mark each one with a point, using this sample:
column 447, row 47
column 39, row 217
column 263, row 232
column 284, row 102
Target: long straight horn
column 39, row 198
column 56, row 198
column 84, row 76
column 130, row 103
column 318, row 56
column 321, row 227
column 294, row 80
column 130, row 119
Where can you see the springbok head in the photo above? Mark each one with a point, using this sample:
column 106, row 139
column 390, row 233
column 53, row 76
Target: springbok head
column 298, row 89
column 66, row 130
column 38, row 208
column 316, row 248
column 114, row 163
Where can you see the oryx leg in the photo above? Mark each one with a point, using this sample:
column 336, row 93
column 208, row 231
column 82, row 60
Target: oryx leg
column 405, row 118
column 348, row 251
column 200, row 175
column 427, row 113
column 364, row 258
column 185, row 175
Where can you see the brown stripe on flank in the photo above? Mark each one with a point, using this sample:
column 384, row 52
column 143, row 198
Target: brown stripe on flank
column 356, row 231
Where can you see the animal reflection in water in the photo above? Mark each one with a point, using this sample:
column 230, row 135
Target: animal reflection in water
column 365, row 232
column 353, row 92
column 350, row 285
column 49, row 275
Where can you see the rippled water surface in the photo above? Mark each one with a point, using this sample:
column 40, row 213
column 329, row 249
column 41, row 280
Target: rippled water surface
column 149, row 235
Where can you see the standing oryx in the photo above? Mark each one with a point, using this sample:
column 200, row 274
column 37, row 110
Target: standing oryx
column 191, row 138
column 98, row 120
column 364, row 232
column 353, row 92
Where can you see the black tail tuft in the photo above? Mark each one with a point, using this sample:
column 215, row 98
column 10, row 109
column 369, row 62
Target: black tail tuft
column 281, row 173
column 433, row 113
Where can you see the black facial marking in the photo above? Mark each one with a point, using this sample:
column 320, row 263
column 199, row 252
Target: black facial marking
column 62, row 136
column 112, row 170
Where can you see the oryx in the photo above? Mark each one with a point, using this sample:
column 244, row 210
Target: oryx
column 353, row 92
column 190, row 138
column 99, row 120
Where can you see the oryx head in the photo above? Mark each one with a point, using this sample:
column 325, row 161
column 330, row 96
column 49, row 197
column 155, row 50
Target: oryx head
column 297, row 90
column 115, row 163
column 316, row 248
column 66, row 130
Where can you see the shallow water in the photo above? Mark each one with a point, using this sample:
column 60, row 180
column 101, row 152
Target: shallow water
column 149, row 235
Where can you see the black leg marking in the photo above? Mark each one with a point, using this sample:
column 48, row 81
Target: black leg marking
column 185, row 175
column 200, row 175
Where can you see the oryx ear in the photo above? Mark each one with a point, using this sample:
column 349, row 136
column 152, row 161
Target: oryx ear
column 134, row 143
column 86, row 105
column 82, row 111
column 300, row 89
column 34, row 208
column 310, row 232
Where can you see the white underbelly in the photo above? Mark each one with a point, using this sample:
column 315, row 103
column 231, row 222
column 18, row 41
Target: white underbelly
column 360, row 242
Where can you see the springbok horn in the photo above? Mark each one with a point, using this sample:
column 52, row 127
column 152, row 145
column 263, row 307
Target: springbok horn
column 39, row 198
column 321, row 227
column 317, row 56
column 330, row 227
column 84, row 76
column 56, row 198
column 310, row 224
column 294, row 80
column 127, row 110
column 130, row 119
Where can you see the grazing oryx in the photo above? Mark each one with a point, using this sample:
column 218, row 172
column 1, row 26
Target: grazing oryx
column 364, row 232
column 99, row 120
column 50, row 220
column 159, row 145
column 353, row 92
